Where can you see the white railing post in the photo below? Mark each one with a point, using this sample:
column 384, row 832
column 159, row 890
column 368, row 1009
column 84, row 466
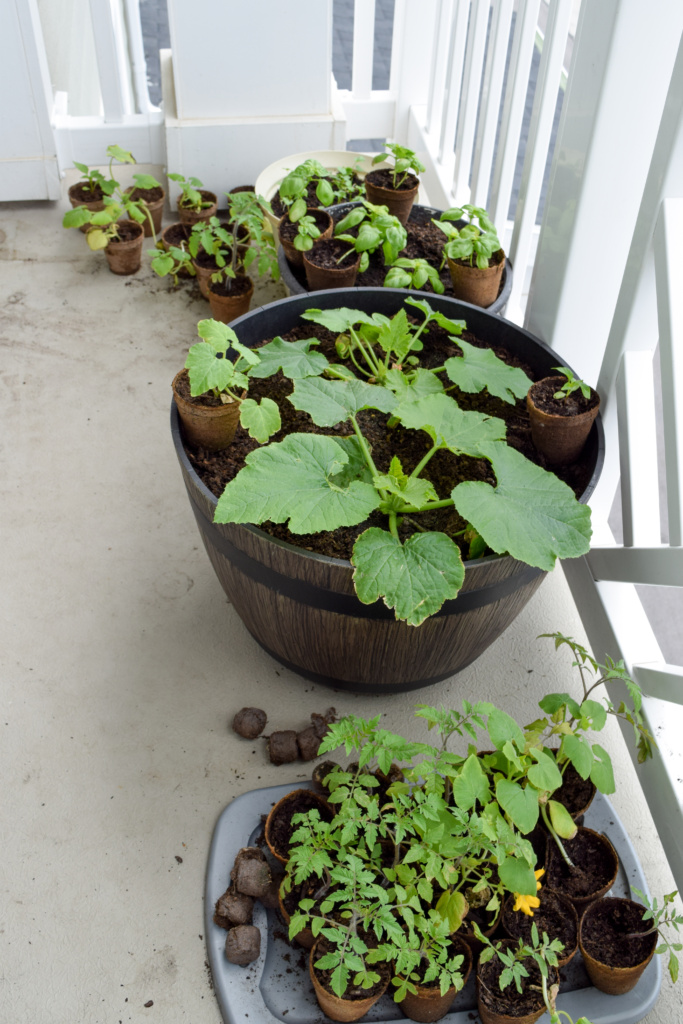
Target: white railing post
column 363, row 48
column 490, row 101
column 108, row 34
column 474, row 63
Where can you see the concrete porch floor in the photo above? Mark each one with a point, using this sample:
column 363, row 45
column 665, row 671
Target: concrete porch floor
column 124, row 662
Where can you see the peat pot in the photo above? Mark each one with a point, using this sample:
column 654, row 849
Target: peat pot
column 294, row 278
column 301, row 607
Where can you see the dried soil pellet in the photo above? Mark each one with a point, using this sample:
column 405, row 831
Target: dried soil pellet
column 282, row 747
column 233, row 908
column 321, row 723
column 249, row 722
column 251, row 874
column 308, row 741
column 270, row 898
column 243, row 944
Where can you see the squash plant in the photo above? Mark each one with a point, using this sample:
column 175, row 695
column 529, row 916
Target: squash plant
column 319, row 482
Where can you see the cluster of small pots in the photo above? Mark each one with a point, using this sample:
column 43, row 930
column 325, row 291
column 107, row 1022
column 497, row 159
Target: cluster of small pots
column 285, row 745
column 573, row 906
column 124, row 254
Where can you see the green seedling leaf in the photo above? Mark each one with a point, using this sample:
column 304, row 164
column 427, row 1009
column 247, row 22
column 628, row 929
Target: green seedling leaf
column 451, row 427
column 480, row 368
column 552, row 702
column 544, row 775
column 77, row 217
column 520, row 804
column 470, row 784
column 412, row 490
column 297, row 480
column 116, row 153
column 296, row 359
column 453, row 908
column 579, row 753
column 414, row 578
column 517, row 876
column 329, row 402
column 451, row 326
column 396, row 335
column 338, row 320
column 97, row 239
column 561, row 820
column 145, row 181
column 530, row 514
column 502, row 729
column 602, row 774
column 209, row 370
column 595, row 713
column 419, row 384
column 262, row 421
column 222, row 337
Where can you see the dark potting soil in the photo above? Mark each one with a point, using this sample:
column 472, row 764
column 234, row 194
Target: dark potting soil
column 208, row 197
column 593, row 862
column 281, row 827
column 176, row 234
column 127, row 232
column 605, row 931
column 444, row 470
column 232, row 285
column 289, row 229
column 457, row 947
column 554, row 916
column 183, row 389
column 570, row 406
column 575, row 793
column 328, row 254
column 82, row 193
column 353, row 991
column 312, row 888
column 147, row 195
column 206, row 260
column 384, row 178
column 511, row 1002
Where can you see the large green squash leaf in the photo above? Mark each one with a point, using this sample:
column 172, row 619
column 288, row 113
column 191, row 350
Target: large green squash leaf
column 450, row 426
column 414, row 578
column 328, row 402
column 421, row 383
column 294, row 358
column 480, row 368
column 300, row 480
column 530, row 514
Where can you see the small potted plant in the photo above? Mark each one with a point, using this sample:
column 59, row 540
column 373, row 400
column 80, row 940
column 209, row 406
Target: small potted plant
column 312, row 185
column 149, row 193
column 407, row 273
column 90, row 190
column 250, row 243
column 366, row 229
column 211, row 391
column 619, row 937
column 518, row 981
column 298, row 233
column 395, row 187
column 121, row 240
column 473, row 253
column 195, row 203
column 172, row 261
column 561, row 410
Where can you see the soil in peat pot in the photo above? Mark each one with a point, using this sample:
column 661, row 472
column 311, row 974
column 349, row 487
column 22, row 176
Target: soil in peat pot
column 328, row 255
column 289, row 229
column 146, row 195
column 353, row 991
column 126, row 233
column 444, row 470
column 604, row 934
column 281, row 827
column 570, row 406
column 176, row 234
column 552, row 917
column 384, row 178
column 510, row 1002
column 574, row 793
column 593, row 866
column 82, row 194
column 232, row 285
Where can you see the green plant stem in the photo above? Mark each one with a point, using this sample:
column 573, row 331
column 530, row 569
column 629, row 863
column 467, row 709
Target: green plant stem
column 368, row 354
column 424, row 460
column 364, row 448
column 392, row 525
column 411, row 510
column 553, row 833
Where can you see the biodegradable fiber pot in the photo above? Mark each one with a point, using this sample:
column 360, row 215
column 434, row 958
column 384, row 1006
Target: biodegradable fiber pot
column 176, row 234
column 560, row 439
column 581, row 885
column 228, row 307
column 191, row 217
column 480, row 287
column 125, row 255
column 94, row 204
column 427, row 1004
column 341, row 1008
column 305, row 937
column 320, row 278
column 556, row 915
column 279, row 829
column 491, row 1001
column 205, row 426
column 302, row 607
column 615, row 918
column 399, row 201
column 323, row 222
column 153, row 199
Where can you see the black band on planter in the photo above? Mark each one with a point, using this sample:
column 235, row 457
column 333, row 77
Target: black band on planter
column 346, row 604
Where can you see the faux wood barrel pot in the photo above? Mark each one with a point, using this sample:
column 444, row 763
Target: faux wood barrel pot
column 301, row 607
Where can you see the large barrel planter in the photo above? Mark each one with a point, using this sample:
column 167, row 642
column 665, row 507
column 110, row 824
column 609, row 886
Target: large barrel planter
column 294, row 278
column 301, row 607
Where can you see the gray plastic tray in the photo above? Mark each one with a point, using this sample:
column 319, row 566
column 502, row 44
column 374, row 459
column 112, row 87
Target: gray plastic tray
column 277, row 985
